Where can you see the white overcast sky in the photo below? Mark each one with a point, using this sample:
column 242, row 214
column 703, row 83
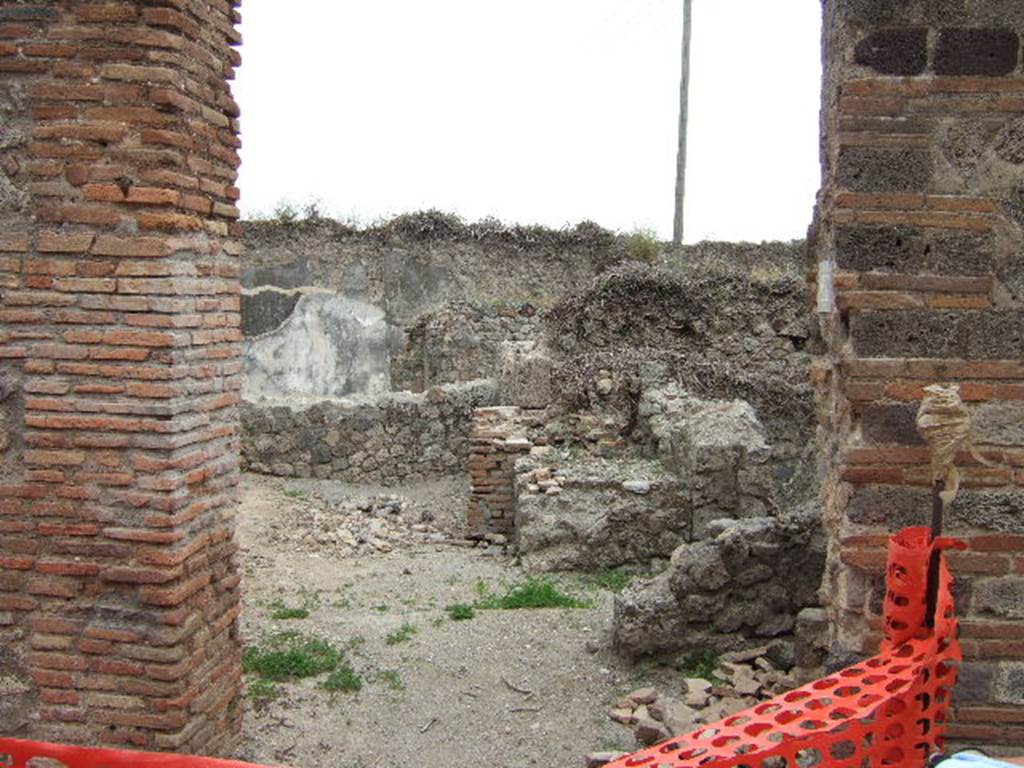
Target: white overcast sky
column 534, row 111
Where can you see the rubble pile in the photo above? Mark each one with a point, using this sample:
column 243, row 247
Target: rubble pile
column 741, row 680
column 348, row 527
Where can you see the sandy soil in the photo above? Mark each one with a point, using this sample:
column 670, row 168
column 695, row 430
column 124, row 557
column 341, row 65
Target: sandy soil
column 506, row 688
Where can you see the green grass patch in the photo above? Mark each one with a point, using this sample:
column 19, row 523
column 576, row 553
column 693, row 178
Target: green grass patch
column 291, row 655
column 295, row 493
column 343, row 680
column 284, row 613
column 643, row 245
column 401, row 635
column 612, row 579
column 391, row 678
column 532, row 593
column 702, row 664
column 281, row 611
column 263, row 690
column 460, row 611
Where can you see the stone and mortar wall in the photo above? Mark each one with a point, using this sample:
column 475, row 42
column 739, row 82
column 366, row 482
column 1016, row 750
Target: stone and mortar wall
column 746, row 583
column 421, row 300
column 399, row 437
column 920, row 220
column 119, row 374
column 718, row 326
column 336, row 313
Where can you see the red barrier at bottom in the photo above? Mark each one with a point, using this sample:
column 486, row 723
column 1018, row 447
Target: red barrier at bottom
column 15, row 753
column 887, row 711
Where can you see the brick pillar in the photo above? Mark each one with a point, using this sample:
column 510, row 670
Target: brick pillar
column 119, row 373
column 497, row 441
column 919, row 233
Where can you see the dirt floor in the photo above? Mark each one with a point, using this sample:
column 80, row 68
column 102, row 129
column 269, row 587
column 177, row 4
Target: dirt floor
column 505, row 688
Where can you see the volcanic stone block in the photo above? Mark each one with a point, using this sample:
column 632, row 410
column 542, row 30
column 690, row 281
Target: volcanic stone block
column 993, row 52
column 975, row 681
column 864, row 169
column 999, row 423
column 1009, row 685
column 912, row 250
column 967, row 335
column 1003, row 597
column 890, row 424
column 895, row 507
column 894, row 51
column 1009, row 145
column 264, row 311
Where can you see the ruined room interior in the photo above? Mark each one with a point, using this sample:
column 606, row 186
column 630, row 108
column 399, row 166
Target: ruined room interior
column 293, row 491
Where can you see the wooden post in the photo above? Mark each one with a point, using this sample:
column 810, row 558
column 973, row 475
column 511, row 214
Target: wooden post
column 684, row 97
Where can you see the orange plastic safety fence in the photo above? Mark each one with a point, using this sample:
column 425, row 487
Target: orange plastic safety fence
column 888, row 711
column 15, row 753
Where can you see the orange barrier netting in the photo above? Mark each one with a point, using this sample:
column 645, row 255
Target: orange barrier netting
column 15, row 753
column 887, row 711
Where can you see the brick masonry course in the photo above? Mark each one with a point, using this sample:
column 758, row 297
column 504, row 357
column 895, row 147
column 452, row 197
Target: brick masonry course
column 920, row 217
column 119, row 375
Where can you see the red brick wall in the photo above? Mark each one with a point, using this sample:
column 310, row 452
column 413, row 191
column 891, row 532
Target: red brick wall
column 920, row 220
column 119, row 346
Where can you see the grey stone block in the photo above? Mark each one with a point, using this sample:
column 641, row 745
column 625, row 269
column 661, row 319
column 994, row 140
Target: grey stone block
column 863, row 169
column 1009, row 145
column 1009, row 683
column 894, row 51
column 890, row 424
column 895, row 507
column 975, row 681
column 1003, row 597
column 999, row 423
column 911, row 250
column 992, row 52
column 970, row 334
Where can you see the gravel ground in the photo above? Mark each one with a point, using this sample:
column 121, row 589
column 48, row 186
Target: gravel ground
column 506, row 688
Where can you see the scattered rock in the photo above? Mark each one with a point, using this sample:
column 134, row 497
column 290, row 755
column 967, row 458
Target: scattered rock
column 597, row 759
column 623, row 716
column 644, row 696
column 697, row 691
column 649, row 731
column 739, row 686
column 639, row 487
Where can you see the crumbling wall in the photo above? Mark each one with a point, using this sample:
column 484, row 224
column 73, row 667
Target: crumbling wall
column 119, row 374
column 712, row 328
column 745, row 584
column 398, row 437
column 919, row 237
column 446, row 294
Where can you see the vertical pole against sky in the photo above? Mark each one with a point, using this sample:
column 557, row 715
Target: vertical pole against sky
column 684, row 92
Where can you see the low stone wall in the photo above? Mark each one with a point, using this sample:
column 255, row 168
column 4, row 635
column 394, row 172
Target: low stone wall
column 399, row 437
column 745, row 585
column 597, row 513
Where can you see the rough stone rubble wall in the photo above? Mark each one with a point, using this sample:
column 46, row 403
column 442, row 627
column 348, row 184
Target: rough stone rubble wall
column 920, row 220
column 400, row 437
column 120, row 363
column 431, row 299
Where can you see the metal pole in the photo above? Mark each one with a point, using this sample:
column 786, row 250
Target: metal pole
column 684, row 97
column 932, row 595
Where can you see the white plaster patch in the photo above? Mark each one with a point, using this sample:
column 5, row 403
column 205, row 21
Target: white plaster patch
column 331, row 346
